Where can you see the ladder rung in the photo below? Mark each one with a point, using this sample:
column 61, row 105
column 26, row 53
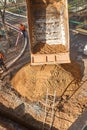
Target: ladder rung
column 70, row 90
column 49, row 113
column 49, row 94
column 48, row 122
column 48, row 118
column 44, row 104
column 50, row 100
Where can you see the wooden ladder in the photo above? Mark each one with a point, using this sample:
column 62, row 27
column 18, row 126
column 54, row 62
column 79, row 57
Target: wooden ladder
column 49, row 111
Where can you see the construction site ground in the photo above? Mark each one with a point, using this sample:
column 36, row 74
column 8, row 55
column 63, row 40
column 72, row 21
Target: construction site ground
column 29, row 85
column 22, row 91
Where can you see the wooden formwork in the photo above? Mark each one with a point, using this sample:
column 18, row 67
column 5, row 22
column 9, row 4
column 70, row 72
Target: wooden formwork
column 48, row 25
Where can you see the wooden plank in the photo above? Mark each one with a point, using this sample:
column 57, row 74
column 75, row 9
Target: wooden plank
column 82, row 31
column 40, row 59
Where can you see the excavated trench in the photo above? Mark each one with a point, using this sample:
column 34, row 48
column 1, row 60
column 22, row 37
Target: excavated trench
column 30, row 86
column 32, row 83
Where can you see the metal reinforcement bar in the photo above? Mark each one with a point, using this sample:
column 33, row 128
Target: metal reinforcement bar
column 8, row 65
column 76, row 22
column 22, row 51
column 16, row 14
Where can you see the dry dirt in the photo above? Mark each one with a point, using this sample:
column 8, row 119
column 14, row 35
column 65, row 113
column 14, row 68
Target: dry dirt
column 32, row 81
column 43, row 48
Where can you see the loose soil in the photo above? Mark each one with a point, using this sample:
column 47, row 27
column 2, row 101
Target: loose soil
column 43, row 48
column 32, row 81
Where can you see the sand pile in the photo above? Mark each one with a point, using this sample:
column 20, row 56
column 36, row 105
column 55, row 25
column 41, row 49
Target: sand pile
column 42, row 48
column 32, row 81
